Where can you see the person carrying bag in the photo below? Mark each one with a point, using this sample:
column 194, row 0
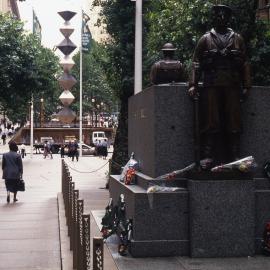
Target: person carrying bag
column 12, row 171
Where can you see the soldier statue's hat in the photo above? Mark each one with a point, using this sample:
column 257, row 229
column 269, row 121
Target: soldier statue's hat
column 168, row 47
column 227, row 9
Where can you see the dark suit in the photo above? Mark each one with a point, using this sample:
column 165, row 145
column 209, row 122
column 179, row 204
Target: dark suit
column 12, row 165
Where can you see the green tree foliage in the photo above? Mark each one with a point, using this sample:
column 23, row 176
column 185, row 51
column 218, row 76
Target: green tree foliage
column 178, row 22
column 95, row 83
column 183, row 22
column 118, row 16
column 27, row 69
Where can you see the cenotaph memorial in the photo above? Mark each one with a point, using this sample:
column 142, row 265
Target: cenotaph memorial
column 207, row 210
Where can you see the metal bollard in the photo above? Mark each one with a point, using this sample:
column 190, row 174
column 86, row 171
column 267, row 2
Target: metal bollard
column 86, row 242
column 65, row 176
column 69, row 207
column 98, row 254
column 70, row 223
column 80, row 210
column 74, row 225
column 69, row 180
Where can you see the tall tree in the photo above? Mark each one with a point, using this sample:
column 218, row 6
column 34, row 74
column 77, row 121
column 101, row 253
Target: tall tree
column 27, row 68
column 118, row 16
column 95, row 82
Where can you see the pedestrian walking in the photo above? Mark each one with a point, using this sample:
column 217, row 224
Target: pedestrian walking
column 23, row 154
column 3, row 137
column 74, row 150
column 46, row 149
column 104, row 149
column 99, row 148
column 12, row 170
column 50, row 149
column 62, row 151
column 69, row 149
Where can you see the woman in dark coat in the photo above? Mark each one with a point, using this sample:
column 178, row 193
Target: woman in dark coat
column 12, row 170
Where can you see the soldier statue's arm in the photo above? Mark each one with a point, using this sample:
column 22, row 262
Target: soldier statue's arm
column 196, row 69
column 153, row 73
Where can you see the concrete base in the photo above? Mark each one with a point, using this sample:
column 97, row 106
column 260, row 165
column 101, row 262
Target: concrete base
column 159, row 248
column 207, row 218
column 160, row 220
column 222, row 218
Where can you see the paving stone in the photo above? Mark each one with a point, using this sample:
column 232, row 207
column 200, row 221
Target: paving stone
column 29, row 229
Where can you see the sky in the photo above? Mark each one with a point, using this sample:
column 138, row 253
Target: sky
column 46, row 11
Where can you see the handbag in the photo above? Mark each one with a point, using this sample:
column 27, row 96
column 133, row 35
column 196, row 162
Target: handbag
column 21, row 185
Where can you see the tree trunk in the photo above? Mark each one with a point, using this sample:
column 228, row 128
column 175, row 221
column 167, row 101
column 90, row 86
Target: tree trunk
column 120, row 153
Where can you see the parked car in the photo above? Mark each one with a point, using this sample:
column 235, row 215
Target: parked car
column 86, row 149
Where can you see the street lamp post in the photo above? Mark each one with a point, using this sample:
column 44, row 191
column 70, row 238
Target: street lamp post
column 32, row 128
column 41, row 112
column 138, row 48
column 93, row 101
column 101, row 119
column 98, row 106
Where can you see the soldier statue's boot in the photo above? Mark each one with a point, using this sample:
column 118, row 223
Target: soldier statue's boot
column 207, row 162
column 234, row 146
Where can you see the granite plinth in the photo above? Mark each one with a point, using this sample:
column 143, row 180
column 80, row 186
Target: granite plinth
column 256, row 127
column 162, row 116
column 159, row 219
column 222, row 218
column 262, row 199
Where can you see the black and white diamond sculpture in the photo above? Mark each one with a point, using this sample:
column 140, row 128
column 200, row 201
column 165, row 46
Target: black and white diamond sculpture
column 66, row 80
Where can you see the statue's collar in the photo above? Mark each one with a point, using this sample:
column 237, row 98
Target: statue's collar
column 229, row 32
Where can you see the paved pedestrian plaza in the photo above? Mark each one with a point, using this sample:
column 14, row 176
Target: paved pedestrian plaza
column 29, row 228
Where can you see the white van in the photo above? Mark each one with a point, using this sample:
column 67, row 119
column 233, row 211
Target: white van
column 98, row 136
column 44, row 139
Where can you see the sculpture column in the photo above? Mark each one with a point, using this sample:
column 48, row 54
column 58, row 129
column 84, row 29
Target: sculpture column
column 66, row 80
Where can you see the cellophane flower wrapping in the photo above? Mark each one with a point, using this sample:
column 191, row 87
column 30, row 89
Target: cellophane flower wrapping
column 244, row 165
column 132, row 163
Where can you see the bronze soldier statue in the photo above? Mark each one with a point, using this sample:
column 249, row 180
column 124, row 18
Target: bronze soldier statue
column 167, row 70
column 221, row 63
